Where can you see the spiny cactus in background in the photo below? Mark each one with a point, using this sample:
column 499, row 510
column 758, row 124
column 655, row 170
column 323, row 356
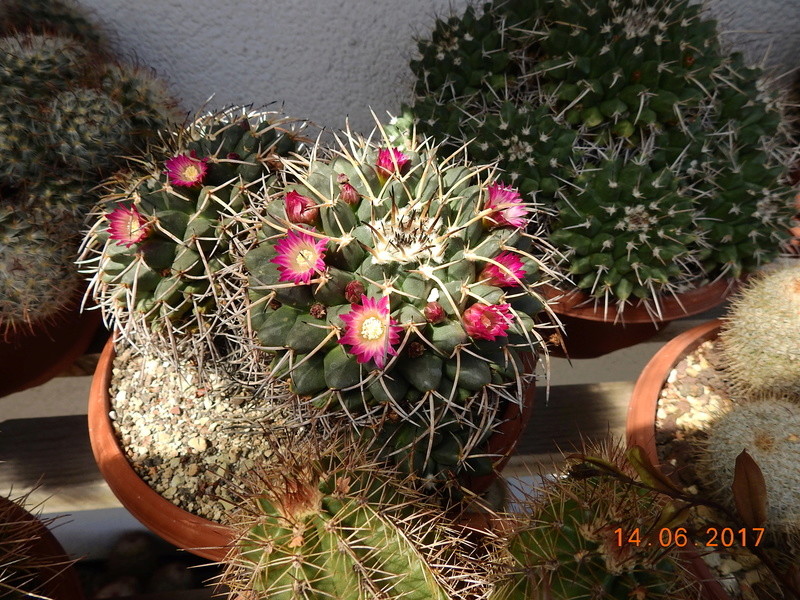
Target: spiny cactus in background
column 24, row 570
column 770, row 432
column 330, row 524
column 761, row 335
column 576, row 538
column 162, row 233
column 400, row 287
column 54, row 17
column 38, row 277
column 561, row 93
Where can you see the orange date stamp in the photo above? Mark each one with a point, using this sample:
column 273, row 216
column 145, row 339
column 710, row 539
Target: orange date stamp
column 679, row 537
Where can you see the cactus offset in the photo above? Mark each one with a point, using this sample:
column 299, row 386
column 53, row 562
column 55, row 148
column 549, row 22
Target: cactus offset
column 163, row 231
column 64, row 18
column 330, row 524
column 555, row 89
column 761, row 335
column 400, row 287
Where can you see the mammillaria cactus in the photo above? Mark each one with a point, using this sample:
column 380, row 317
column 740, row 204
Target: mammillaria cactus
column 163, row 230
column 400, row 287
column 332, row 524
column 769, row 430
column 662, row 154
column 761, row 335
column 587, row 534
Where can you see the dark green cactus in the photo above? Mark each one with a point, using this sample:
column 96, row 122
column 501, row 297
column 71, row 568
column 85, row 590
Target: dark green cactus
column 332, row 525
column 555, row 89
column 59, row 17
column 163, row 231
column 400, row 287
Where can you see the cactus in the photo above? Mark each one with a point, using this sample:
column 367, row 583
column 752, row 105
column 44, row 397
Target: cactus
column 38, row 276
column 327, row 524
column 769, row 430
column 560, row 93
column 577, row 538
column 163, row 231
column 400, row 287
column 761, row 335
column 55, row 17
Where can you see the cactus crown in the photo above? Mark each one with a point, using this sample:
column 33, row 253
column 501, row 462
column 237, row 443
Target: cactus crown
column 571, row 539
column 330, row 523
column 162, row 233
column 761, row 335
column 399, row 285
column 614, row 113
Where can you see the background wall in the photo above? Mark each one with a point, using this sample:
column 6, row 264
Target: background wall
column 329, row 59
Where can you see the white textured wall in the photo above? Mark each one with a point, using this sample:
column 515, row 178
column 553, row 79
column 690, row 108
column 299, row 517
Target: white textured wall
column 328, row 59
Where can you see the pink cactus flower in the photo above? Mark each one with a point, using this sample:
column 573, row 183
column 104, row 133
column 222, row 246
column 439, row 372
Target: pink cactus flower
column 508, row 208
column 487, row 321
column 391, row 161
column 186, row 169
column 127, row 226
column 300, row 255
column 370, row 332
column 507, row 273
column 301, row 209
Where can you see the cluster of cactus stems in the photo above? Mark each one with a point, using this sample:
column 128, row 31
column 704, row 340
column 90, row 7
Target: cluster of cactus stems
column 399, row 288
column 663, row 155
column 69, row 110
column 162, row 237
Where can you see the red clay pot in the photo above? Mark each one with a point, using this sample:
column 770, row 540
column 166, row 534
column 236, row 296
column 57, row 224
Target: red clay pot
column 641, row 429
column 590, row 332
column 59, row 581
column 173, row 524
column 31, row 358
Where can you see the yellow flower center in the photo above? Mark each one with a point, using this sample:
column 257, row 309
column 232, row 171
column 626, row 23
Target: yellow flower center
column 372, row 329
column 191, row 172
column 306, row 259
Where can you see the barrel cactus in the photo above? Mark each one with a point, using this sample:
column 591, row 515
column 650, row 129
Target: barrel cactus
column 761, row 335
column 331, row 524
column 399, row 286
column 163, row 230
column 588, row 535
column 661, row 153
column 769, row 430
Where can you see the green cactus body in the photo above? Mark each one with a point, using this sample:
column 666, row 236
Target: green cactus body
column 761, row 335
column 148, row 104
column 346, row 531
column 36, row 65
column 374, row 296
column 49, row 17
column 770, row 432
column 163, row 277
column 554, row 90
column 576, row 539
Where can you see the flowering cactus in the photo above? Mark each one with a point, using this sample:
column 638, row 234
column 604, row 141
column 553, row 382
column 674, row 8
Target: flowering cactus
column 663, row 156
column 163, row 231
column 399, row 287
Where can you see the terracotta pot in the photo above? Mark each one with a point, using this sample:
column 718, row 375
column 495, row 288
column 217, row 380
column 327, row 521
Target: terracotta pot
column 590, row 332
column 31, row 358
column 59, row 581
column 201, row 536
column 641, row 428
column 503, row 441
column 173, row 524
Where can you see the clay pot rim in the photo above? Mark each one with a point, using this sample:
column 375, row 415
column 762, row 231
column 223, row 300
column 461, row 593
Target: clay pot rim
column 181, row 528
column 199, row 535
column 576, row 303
column 640, row 425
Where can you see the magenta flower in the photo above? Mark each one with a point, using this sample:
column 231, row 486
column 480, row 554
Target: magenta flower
column 487, row 321
column 126, row 226
column 186, row 169
column 507, row 275
column 370, row 332
column 300, row 255
column 390, row 161
column 507, row 206
column 301, row 209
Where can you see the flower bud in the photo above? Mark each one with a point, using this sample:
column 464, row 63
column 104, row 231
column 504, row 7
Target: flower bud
column 434, row 312
column 301, row 209
column 353, row 291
